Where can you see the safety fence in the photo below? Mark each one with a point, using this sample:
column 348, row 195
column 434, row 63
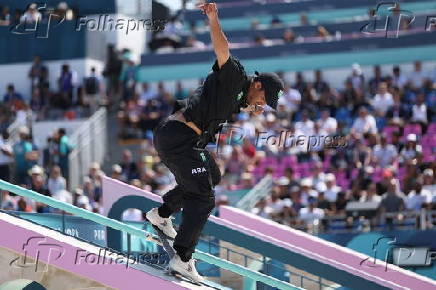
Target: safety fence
column 90, row 144
column 226, row 265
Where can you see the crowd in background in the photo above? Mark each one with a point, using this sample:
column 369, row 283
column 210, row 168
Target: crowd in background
column 386, row 121
column 68, row 98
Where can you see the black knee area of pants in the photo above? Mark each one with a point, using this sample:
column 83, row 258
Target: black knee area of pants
column 184, row 253
column 164, row 211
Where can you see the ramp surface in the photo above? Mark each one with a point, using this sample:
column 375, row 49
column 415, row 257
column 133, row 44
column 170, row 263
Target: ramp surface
column 39, row 247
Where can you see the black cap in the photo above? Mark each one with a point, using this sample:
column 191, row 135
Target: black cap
column 273, row 86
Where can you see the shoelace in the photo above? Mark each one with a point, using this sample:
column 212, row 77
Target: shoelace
column 191, row 265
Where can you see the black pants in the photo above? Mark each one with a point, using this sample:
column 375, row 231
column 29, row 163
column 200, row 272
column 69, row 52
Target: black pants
column 196, row 173
column 5, row 172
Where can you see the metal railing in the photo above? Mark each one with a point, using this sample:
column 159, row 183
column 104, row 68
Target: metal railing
column 335, row 224
column 90, row 145
column 259, row 191
column 13, row 129
column 256, row 276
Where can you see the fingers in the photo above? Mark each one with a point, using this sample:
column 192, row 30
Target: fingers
column 207, row 7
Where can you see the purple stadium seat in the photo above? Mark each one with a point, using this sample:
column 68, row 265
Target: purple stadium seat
column 431, row 130
column 389, row 131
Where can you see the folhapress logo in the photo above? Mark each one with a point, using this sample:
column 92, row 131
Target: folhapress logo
column 37, row 20
column 37, row 248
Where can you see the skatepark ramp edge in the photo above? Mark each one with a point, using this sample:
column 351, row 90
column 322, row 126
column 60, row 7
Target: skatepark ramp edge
column 226, row 265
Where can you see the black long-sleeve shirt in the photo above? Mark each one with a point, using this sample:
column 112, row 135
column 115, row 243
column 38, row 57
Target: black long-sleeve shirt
column 220, row 96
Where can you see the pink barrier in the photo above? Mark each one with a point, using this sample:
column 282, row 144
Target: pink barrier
column 326, row 252
column 29, row 239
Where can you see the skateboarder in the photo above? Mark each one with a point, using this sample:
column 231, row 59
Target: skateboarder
column 181, row 138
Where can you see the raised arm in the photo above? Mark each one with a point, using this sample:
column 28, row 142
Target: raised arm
column 219, row 40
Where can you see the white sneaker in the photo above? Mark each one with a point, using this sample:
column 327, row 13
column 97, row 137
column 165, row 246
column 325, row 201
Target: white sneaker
column 186, row 269
column 164, row 224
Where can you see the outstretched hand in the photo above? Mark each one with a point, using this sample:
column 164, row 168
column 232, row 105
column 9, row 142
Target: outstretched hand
column 209, row 9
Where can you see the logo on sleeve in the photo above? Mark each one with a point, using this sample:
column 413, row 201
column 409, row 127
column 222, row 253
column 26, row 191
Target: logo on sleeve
column 240, row 96
column 198, row 170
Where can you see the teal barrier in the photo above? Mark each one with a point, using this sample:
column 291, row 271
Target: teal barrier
column 321, row 16
column 273, row 282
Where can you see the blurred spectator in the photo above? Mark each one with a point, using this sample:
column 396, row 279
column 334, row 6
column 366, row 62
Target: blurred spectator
column 327, row 124
column 300, row 84
column 7, row 201
column 384, row 154
column 292, row 98
column 38, row 184
column 411, row 149
column 319, row 84
column 331, row 191
column 38, row 73
column 84, row 202
column 261, row 40
column 398, row 80
column 418, row 198
column 112, row 71
column 307, row 191
column 311, row 215
column 12, row 98
column 26, row 155
column 288, row 36
column 429, row 184
column 6, row 159
column 180, row 93
column 399, row 111
column 356, row 78
column 129, row 167
column 63, row 150
column 116, row 172
column 364, row 123
column 93, row 90
column 419, row 111
column 31, row 15
column 63, row 196
column 374, row 82
column 128, row 77
column 321, row 31
column 147, row 93
column 392, row 202
column 274, row 205
column 305, row 126
column 56, row 181
column 370, row 195
column 5, row 17
column 383, row 100
column 417, row 77
column 67, row 82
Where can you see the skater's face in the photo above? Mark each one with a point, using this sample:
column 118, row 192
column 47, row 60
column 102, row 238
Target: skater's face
column 256, row 97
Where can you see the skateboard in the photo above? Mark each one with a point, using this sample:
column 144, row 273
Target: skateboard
column 167, row 244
